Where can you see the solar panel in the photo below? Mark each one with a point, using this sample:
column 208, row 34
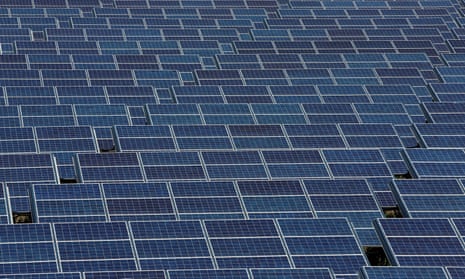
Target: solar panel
column 415, row 241
column 395, row 272
column 305, row 237
column 94, row 246
column 420, row 198
column 255, row 240
column 211, row 273
column 314, row 135
column 30, row 249
column 95, row 115
column 65, row 203
column 274, row 199
column 439, row 135
column 281, row 113
column 124, row 274
column 351, row 198
column 428, row 163
column 108, row 167
column 202, row 137
column 27, row 168
column 65, row 139
column 62, row 275
column 292, row 273
column 17, row 140
column 206, row 200
column 371, row 135
column 364, row 163
column 171, row 165
column 174, row 114
column 137, row 138
column 294, row 164
column 138, row 201
column 455, row 272
column 157, row 248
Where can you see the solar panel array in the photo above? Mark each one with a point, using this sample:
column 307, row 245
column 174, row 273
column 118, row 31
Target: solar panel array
column 232, row 139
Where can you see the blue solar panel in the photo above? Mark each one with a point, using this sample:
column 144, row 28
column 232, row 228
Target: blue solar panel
column 185, row 165
column 155, row 241
column 435, row 162
column 125, row 274
column 100, row 243
column 412, row 240
column 323, row 227
column 248, row 245
column 209, row 206
column 140, row 209
column 455, row 272
column 111, row 167
column 293, row 273
column 67, row 275
column 181, row 274
column 30, row 244
column 135, row 138
column 425, row 198
column 302, row 235
column 399, row 272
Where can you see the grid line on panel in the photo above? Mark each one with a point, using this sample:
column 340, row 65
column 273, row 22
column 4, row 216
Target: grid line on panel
column 173, row 202
column 241, row 201
column 267, row 171
column 133, row 247
column 209, row 244
column 104, row 203
column 307, row 197
column 56, row 248
column 283, row 242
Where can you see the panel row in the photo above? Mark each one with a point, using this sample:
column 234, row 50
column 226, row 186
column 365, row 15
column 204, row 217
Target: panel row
column 107, row 115
column 348, row 198
column 230, row 165
column 297, row 273
column 20, row 44
column 240, row 137
column 64, row 139
column 391, row 95
column 166, row 78
column 86, row 247
column 188, row 62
